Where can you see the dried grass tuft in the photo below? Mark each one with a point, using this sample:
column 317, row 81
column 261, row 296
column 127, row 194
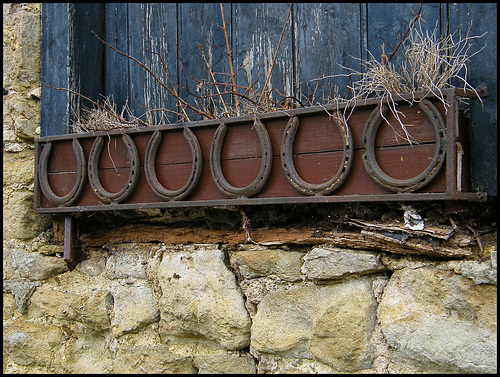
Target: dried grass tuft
column 105, row 117
column 429, row 64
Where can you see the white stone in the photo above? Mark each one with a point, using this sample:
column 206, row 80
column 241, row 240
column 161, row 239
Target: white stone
column 200, row 297
column 134, row 308
column 330, row 323
column 437, row 321
column 334, row 263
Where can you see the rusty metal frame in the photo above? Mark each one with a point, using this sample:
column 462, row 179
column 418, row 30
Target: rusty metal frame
column 446, row 154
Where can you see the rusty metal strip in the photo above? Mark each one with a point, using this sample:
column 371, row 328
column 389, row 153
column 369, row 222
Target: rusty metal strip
column 150, row 171
column 69, row 239
column 265, row 169
column 403, row 197
column 94, row 173
column 68, row 199
column 291, row 173
column 404, row 185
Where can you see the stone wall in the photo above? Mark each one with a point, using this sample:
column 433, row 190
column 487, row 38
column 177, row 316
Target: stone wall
column 171, row 298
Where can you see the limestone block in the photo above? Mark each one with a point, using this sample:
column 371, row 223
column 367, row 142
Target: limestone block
column 270, row 364
column 18, row 171
column 437, row 321
column 201, row 297
column 25, row 114
column 134, row 308
column 478, row 272
column 127, row 260
column 95, row 263
column 88, row 354
column 32, row 344
column 224, row 364
column 34, row 266
column 90, row 309
column 151, row 360
column 330, row 323
column 50, row 250
column 259, row 261
column 255, row 289
column 20, row 221
column 21, row 290
column 8, row 305
column 21, row 38
column 334, row 263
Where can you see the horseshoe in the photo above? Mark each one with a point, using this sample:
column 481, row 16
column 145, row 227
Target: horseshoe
column 149, row 167
column 94, row 173
column 265, row 168
column 68, row 199
column 291, row 173
column 404, row 185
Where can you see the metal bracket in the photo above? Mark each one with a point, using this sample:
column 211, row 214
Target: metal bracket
column 69, row 239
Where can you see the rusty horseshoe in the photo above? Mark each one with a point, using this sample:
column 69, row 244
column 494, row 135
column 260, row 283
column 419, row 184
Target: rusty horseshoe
column 94, row 180
column 150, row 172
column 404, row 185
column 291, row 173
column 68, row 199
column 265, row 168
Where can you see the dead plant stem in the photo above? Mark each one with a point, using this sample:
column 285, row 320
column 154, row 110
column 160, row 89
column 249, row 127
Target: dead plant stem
column 275, row 55
column 230, row 58
column 157, row 79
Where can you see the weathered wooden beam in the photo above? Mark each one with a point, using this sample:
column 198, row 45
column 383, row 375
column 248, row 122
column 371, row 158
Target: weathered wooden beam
column 457, row 246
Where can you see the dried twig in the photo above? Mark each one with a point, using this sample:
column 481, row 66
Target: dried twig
column 229, row 56
column 213, row 77
column 428, row 66
column 275, row 55
column 412, row 23
column 172, row 92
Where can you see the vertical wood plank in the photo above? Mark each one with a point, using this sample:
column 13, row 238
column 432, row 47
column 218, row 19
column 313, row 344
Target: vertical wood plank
column 201, row 26
column 71, row 59
column 116, row 66
column 482, row 18
column 152, row 30
column 327, row 38
column 54, row 57
column 257, row 31
column 85, row 55
column 388, row 22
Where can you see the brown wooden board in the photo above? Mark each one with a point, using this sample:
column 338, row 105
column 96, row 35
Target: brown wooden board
column 317, row 155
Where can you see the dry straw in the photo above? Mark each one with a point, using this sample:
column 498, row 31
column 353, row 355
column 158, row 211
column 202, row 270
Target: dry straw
column 428, row 63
